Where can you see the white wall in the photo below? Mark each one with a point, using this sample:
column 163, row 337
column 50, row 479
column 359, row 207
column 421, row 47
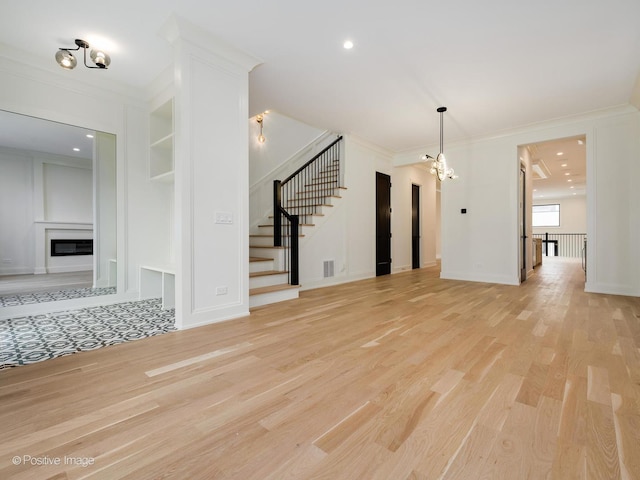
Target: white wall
column 67, row 193
column 104, row 215
column 402, row 180
column 347, row 235
column 285, row 137
column 211, row 176
column 37, row 186
column 573, row 214
column 482, row 245
column 16, row 212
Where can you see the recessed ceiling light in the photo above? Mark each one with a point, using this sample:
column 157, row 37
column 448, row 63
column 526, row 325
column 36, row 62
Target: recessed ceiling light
column 89, row 135
column 574, row 193
column 348, row 45
column 569, row 180
column 580, row 142
column 76, row 149
column 560, row 153
column 567, row 173
column 564, row 165
column 572, row 186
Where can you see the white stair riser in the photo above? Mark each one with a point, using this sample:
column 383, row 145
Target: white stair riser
column 261, row 241
column 272, row 297
column 277, row 254
column 302, row 201
column 261, row 266
column 268, row 230
column 268, row 280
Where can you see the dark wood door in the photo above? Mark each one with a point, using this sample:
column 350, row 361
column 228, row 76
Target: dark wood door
column 415, row 226
column 383, row 224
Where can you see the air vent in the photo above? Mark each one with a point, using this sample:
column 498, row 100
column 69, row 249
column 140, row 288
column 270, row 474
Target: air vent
column 328, row 268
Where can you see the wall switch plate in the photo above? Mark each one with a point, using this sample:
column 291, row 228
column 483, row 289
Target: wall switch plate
column 222, row 290
column 224, row 218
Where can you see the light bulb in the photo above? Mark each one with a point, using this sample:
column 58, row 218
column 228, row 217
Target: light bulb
column 66, row 59
column 261, row 138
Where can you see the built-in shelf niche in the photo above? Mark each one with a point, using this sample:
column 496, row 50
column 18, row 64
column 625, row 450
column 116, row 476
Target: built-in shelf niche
column 161, row 162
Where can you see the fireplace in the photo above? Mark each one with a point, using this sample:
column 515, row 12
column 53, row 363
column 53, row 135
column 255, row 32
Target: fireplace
column 64, row 248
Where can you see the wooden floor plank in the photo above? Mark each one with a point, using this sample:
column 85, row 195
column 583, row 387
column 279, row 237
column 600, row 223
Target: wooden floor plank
column 406, row 376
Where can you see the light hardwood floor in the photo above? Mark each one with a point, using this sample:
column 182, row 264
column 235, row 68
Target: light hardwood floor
column 399, row 377
column 48, row 282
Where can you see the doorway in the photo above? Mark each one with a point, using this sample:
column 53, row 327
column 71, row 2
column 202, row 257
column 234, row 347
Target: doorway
column 555, row 213
column 383, row 224
column 415, row 226
column 522, row 195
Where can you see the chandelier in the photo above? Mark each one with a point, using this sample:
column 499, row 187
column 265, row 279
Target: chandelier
column 439, row 165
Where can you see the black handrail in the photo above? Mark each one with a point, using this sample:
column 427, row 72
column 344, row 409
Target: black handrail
column 286, row 180
column 304, row 191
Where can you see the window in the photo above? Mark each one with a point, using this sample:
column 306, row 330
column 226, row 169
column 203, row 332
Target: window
column 546, row 215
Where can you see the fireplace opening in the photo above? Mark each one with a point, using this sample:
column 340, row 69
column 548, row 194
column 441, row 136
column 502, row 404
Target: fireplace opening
column 63, row 248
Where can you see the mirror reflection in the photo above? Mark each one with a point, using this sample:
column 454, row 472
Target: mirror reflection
column 57, row 211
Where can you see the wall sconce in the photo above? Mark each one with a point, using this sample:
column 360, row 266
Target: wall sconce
column 68, row 61
column 260, row 119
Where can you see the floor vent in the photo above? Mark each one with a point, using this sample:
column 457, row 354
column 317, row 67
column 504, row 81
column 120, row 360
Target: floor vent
column 328, row 268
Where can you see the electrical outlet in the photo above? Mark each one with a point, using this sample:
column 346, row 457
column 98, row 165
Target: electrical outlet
column 224, row 218
column 222, row 290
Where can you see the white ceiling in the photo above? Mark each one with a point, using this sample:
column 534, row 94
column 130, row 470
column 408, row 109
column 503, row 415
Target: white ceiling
column 496, row 64
column 28, row 133
column 564, row 163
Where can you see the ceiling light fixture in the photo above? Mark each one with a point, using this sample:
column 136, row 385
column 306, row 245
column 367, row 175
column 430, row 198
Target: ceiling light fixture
column 560, row 153
column 260, row 119
column 68, row 61
column 348, row 45
column 439, row 165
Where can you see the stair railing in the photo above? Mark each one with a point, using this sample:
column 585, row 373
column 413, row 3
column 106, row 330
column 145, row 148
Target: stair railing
column 298, row 197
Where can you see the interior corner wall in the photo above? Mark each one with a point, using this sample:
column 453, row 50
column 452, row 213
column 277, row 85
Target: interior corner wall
column 401, row 198
column 482, row 245
column 284, row 137
column 16, row 213
column 348, row 234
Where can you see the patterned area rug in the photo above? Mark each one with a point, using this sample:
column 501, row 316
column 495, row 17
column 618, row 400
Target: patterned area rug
column 35, row 338
column 41, row 297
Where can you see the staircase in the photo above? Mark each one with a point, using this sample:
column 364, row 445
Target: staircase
column 308, row 193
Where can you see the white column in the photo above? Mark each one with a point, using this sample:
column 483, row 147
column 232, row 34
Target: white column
column 211, row 176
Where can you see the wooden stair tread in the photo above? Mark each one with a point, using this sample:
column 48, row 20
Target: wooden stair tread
column 267, row 273
column 310, row 205
column 305, row 215
column 272, row 288
column 300, row 225
column 260, row 259
column 267, row 235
